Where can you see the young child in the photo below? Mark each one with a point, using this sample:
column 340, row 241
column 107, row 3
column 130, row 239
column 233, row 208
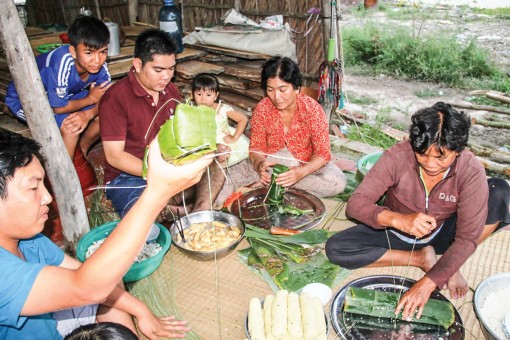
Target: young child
column 206, row 91
column 75, row 77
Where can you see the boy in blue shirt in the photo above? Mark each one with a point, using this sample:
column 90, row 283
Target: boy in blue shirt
column 75, row 77
column 38, row 279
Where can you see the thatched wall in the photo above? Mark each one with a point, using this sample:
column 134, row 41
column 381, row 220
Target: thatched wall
column 197, row 13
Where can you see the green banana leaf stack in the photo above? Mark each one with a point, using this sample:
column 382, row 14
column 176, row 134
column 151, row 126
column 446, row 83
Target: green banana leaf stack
column 382, row 304
column 187, row 135
column 290, row 262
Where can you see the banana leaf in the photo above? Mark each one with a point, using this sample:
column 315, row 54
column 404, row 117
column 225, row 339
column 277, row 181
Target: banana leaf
column 373, row 322
column 382, row 304
column 316, row 269
column 186, row 136
column 276, row 192
column 312, row 236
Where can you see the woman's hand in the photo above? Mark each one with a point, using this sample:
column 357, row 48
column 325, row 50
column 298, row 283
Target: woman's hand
column 155, row 328
column 415, row 298
column 290, row 177
column 417, row 224
column 262, row 169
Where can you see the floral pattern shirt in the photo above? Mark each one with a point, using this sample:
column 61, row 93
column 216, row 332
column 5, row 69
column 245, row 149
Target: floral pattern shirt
column 307, row 136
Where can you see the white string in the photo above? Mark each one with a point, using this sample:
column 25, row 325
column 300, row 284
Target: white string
column 156, row 114
column 205, row 157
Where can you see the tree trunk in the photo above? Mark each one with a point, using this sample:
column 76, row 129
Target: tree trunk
column 41, row 122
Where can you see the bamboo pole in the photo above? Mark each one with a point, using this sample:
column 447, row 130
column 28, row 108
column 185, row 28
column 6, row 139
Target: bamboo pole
column 493, row 166
column 480, row 107
column 41, row 122
column 488, row 123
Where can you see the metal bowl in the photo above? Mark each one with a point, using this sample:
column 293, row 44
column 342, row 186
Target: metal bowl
column 488, row 285
column 207, row 216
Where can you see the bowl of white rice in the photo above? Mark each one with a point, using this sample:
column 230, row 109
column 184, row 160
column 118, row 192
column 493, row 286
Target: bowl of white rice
column 491, row 303
column 147, row 261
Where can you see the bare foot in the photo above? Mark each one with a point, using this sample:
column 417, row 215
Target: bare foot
column 427, row 258
column 457, row 285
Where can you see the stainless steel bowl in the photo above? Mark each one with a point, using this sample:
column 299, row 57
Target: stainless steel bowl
column 207, row 216
column 488, row 285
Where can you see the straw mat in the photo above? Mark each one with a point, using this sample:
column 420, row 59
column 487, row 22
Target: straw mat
column 213, row 296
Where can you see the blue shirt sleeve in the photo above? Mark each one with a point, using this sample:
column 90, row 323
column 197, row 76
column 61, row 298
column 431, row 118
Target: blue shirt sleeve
column 19, row 276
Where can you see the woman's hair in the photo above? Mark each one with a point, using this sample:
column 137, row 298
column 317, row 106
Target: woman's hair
column 282, row 67
column 16, row 152
column 151, row 42
column 102, row 331
column 90, row 31
column 205, row 81
column 441, row 126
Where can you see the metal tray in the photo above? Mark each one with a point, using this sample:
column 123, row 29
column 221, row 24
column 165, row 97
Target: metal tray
column 251, row 209
column 347, row 329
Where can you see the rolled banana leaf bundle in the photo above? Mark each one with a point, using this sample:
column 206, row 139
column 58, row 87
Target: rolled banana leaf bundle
column 276, row 192
column 187, row 135
column 382, row 304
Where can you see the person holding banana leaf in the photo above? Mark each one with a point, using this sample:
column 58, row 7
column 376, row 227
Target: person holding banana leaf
column 437, row 200
column 288, row 128
column 131, row 114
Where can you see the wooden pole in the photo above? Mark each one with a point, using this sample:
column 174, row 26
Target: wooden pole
column 43, row 128
column 326, row 25
column 133, row 11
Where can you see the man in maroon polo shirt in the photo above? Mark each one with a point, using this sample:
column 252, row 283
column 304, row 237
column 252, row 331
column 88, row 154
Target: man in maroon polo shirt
column 131, row 113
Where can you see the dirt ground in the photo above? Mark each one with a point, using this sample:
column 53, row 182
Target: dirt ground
column 397, row 100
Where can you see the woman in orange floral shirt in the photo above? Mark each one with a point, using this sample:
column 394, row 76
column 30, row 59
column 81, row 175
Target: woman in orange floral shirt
column 289, row 128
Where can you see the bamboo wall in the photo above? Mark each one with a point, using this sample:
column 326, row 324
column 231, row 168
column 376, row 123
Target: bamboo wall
column 197, row 13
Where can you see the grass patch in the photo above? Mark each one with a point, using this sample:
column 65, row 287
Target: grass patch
column 433, row 58
column 370, row 135
column 362, row 100
column 501, row 11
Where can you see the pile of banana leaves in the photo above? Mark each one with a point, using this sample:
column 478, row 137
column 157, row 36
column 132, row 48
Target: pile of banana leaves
column 290, row 262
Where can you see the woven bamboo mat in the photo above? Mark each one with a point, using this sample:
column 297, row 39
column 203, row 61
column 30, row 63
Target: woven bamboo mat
column 214, row 296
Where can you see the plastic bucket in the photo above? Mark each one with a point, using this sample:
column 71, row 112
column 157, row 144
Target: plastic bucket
column 114, row 45
column 365, row 163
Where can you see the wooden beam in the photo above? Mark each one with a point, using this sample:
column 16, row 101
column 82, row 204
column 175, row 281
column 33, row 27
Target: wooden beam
column 248, row 12
column 190, row 69
column 480, row 107
column 41, row 122
column 229, row 52
column 133, row 11
column 488, row 123
column 244, row 69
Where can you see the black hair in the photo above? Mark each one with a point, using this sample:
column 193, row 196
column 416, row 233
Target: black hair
column 151, row 42
column 90, row 31
column 441, row 126
column 282, row 67
column 102, row 331
column 205, row 81
column 16, row 152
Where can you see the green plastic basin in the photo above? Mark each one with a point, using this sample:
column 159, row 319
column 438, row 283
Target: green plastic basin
column 138, row 270
column 365, row 163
